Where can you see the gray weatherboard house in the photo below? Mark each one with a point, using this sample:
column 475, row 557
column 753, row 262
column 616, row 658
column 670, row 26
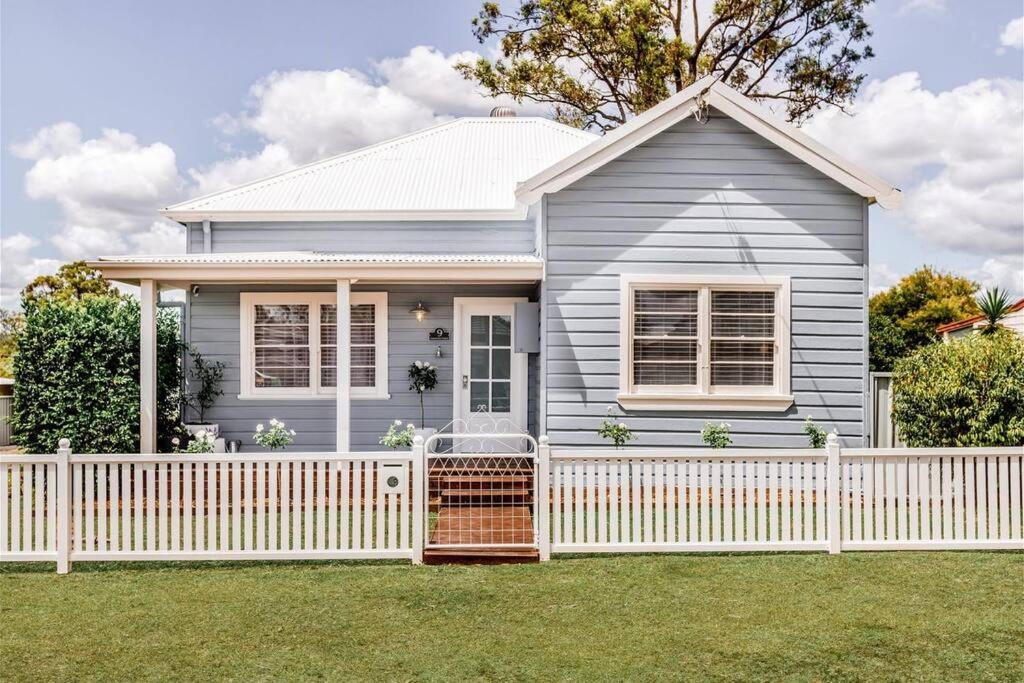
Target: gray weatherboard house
column 702, row 262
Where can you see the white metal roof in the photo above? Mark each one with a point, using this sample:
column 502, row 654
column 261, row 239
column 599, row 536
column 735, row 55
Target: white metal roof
column 256, row 258
column 572, row 167
column 466, row 168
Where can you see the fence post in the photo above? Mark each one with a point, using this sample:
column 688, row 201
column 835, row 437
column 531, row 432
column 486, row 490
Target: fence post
column 543, row 487
column 418, row 486
column 63, row 504
column 833, row 504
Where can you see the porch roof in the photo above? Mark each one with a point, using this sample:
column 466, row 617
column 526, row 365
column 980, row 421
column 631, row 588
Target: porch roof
column 326, row 266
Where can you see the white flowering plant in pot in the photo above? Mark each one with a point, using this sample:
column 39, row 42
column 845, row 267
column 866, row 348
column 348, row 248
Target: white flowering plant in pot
column 200, row 442
column 398, row 436
column 277, row 436
column 617, row 432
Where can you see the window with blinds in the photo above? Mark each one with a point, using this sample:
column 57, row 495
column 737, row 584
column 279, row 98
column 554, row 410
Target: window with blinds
column 704, row 341
column 665, row 337
column 293, row 344
column 281, row 345
column 363, row 352
column 742, row 338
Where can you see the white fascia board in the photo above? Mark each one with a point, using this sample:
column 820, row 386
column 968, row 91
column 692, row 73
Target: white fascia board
column 731, row 103
column 182, row 216
column 131, row 273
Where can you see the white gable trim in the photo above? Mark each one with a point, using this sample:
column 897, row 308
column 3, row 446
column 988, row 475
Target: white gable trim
column 681, row 105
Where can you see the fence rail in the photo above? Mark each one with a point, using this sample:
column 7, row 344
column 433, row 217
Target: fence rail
column 65, row 508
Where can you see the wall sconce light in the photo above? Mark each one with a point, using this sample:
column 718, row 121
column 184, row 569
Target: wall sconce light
column 420, row 312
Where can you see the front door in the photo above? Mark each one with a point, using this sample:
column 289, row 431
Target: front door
column 490, row 378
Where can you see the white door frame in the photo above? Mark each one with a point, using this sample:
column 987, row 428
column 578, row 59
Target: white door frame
column 519, row 373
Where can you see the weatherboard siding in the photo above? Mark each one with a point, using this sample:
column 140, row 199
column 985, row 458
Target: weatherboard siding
column 421, row 237
column 711, row 199
column 213, row 330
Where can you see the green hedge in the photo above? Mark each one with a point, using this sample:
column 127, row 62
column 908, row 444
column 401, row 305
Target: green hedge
column 77, row 376
column 969, row 392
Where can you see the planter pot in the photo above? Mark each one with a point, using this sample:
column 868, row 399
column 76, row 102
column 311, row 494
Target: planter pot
column 211, row 429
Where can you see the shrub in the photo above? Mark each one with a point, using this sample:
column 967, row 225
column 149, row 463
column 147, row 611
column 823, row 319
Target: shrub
column 77, row 376
column 208, row 376
column 969, row 392
column 816, row 435
column 278, row 436
column 617, row 432
column 398, row 436
column 422, row 378
column 716, row 435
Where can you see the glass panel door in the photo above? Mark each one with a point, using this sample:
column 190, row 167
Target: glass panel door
column 490, row 363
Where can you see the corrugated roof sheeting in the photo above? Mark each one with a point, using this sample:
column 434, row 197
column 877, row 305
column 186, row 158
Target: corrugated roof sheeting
column 470, row 164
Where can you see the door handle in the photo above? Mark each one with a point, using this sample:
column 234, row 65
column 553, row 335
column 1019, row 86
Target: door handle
column 465, row 381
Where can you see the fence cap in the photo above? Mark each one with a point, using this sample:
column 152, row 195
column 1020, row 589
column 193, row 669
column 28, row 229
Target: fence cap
column 832, row 438
column 64, row 443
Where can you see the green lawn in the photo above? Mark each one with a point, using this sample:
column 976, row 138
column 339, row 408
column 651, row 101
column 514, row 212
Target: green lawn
column 948, row 616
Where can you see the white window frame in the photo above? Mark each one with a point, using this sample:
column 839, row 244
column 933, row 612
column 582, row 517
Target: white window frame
column 703, row 396
column 247, row 352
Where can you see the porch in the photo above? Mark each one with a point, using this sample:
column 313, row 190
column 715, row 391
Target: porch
column 414, row 304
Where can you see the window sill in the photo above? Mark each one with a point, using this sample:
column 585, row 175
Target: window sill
column 707, row 402
column 308, row 397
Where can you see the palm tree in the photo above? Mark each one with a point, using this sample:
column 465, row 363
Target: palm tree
column 995, row 305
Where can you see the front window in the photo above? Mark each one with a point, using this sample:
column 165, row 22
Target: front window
column 704, row 342
column 291, row 344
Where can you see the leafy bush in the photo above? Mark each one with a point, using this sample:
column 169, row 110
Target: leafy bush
column 716, row 435
column 617, row 432
column 816, row 435
column 398, row 436
column 969, row 392
column 77, row 375
column 422, row 378
column 278, row 436
column 208, row 376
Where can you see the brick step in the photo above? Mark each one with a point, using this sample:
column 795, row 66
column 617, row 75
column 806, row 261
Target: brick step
column 505, row 492
column 480, row 555
column 458, row 480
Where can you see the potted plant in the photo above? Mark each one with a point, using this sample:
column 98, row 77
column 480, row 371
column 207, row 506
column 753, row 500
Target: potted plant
column 278, row 436
column 422, row 378
column 398, row 436
column 207, row 376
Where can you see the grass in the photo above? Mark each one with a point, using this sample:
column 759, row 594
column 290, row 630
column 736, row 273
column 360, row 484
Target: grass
column 948, row 616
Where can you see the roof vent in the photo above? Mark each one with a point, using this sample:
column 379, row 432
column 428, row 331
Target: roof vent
column 502, row 112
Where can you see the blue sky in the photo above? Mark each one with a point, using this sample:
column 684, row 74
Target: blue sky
column 111, row 110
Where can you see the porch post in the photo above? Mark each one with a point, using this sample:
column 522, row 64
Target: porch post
column 147, row 367
column 344, row 363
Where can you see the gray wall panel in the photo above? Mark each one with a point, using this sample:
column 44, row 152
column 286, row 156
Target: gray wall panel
column 214, row 330
column 705, row 199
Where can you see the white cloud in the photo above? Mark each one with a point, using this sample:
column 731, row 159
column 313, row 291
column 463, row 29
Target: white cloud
column 1005, row 272
column 1013, row 34
column 20, row 267
column 956, row 154
column 881, row 277
column 922, row 6
column 108, row 187
column 274, row 158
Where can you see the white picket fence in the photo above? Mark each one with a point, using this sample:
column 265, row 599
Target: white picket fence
column 69, row 508
column 834, row 500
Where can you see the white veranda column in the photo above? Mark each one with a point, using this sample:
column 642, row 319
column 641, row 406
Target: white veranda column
column 147, row 368
column 344, row 362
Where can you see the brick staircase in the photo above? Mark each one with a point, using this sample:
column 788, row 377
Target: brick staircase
column 480, row 502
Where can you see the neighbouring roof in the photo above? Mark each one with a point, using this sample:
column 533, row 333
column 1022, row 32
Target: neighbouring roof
column 465, row 168
column 682, row 105
column 974, row 320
